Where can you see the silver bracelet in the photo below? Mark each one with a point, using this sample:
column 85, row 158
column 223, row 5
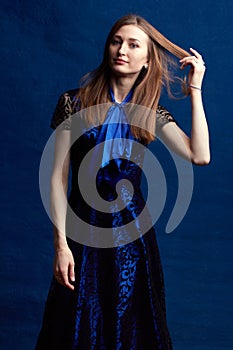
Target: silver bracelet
column 195, row 87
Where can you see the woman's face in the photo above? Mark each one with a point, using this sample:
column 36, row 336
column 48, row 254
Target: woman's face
column 128, row 51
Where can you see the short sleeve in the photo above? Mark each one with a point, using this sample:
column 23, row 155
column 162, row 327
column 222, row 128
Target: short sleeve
column 64, row 110
column 163, row 117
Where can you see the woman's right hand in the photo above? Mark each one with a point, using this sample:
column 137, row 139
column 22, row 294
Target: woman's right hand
column 64, row 267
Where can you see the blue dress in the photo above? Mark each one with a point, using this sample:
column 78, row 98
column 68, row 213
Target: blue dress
column 118, row 302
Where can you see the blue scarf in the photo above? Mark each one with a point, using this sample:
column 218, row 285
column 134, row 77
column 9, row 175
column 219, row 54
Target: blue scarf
column 117, row 133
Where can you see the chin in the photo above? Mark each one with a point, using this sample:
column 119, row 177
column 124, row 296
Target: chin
column 119, row 71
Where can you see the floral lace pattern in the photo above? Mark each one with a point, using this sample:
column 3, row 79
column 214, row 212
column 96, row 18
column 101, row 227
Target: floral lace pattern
column 66, row 108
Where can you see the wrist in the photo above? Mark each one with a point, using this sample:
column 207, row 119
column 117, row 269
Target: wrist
column 195, row 87
column 60, row 243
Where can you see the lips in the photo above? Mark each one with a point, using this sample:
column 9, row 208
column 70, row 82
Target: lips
column 120, row 61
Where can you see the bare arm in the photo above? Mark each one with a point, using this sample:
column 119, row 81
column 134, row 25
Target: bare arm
column 196, row 147
column 63, row 261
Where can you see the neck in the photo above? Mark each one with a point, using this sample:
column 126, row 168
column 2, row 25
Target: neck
column 121, row 87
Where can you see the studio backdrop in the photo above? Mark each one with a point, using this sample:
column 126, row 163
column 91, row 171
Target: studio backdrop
column 46, row 46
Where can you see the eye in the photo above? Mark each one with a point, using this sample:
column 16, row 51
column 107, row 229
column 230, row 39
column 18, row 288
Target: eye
column 115, row 42
column 133, row 45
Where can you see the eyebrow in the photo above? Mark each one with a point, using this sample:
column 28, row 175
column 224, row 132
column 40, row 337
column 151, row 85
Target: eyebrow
column 131, row 39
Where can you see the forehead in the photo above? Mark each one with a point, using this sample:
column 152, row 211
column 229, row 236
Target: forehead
column 132, row 32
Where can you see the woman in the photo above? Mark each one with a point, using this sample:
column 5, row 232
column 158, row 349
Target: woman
column 114, row 298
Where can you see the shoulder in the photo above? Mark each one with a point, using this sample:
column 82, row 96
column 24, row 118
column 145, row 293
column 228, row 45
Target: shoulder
column 65, row 107
column 163, row 116
column 68, row 99
column 70, row 93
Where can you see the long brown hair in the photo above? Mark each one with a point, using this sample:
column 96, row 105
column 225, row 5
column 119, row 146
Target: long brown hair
column 148, row 86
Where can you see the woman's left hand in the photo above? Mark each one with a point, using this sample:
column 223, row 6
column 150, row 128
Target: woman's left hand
column 197, row 70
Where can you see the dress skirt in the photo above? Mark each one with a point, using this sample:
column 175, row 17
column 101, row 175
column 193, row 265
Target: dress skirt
column 118, row 302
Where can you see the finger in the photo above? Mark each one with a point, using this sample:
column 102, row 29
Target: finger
column 71, row 272
column 188, row 59
column 184, row 64
column 59, row 279
column 198, row 56
column 62, row 278
column 192, row 60
column 67, row 283
column 187, row 62
column 196, row 53
column 64, row 281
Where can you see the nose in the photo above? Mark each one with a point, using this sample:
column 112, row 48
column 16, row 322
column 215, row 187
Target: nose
column 122, row 50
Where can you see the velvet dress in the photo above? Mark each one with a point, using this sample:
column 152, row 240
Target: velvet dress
column 118, row 302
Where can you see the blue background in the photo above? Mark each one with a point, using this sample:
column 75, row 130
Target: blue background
column 46, row 46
